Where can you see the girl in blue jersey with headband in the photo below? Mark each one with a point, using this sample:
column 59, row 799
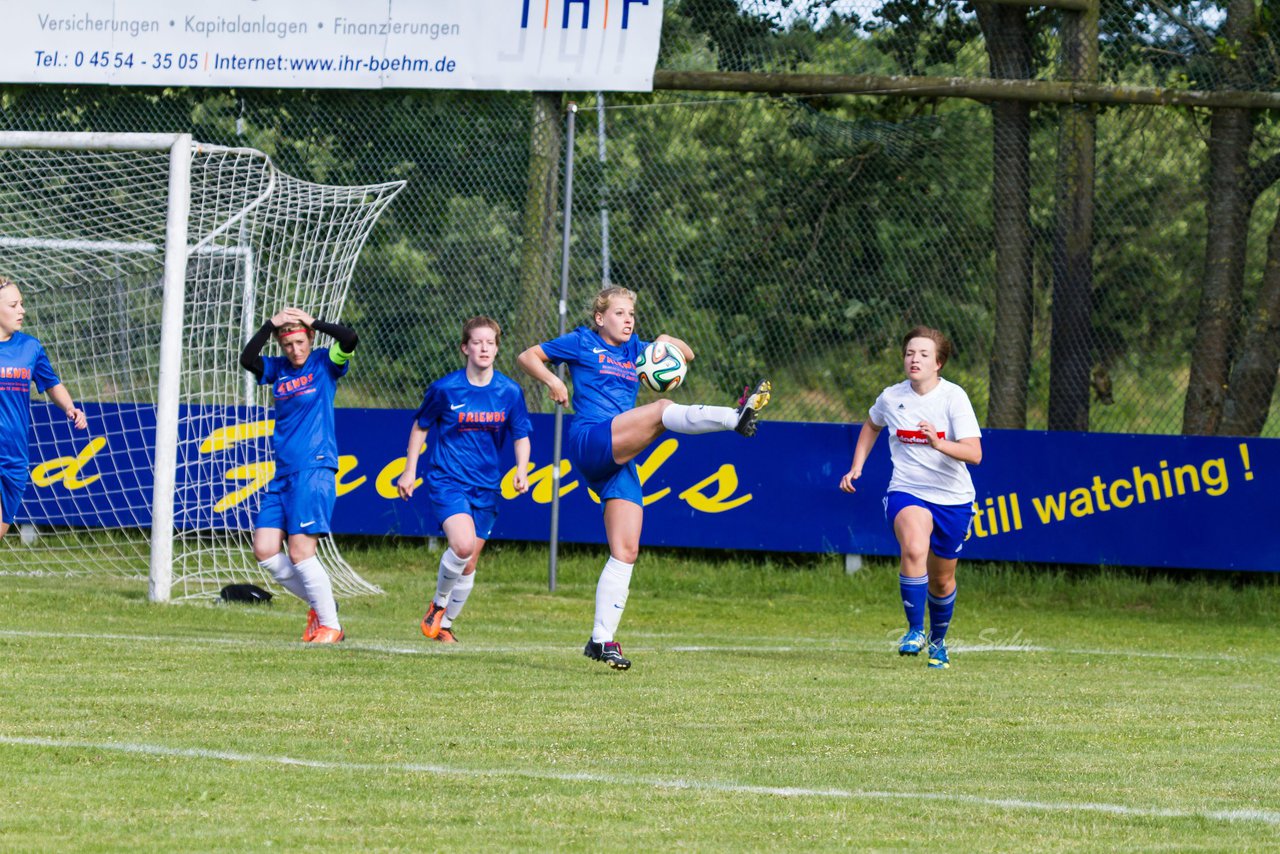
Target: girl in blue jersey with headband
column 298, row 504
column 467, row 415
column 609, row 431
column 22, row 362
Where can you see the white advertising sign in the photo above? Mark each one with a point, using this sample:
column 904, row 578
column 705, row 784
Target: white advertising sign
column 334, row 44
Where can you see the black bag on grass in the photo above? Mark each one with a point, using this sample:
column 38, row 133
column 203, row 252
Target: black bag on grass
column 251, row 593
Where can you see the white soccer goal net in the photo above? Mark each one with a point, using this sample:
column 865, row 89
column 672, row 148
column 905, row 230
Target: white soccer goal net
column 146, row 261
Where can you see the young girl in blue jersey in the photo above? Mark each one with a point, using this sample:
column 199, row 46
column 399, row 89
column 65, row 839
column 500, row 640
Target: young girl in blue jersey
column 299, row 500
column 467, row 416
column 609, row 431
column 22, row 362
column 929, row 502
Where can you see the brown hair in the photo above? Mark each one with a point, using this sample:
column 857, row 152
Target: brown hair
column 480, row 322
column 600, row 304
column 942, row 344
column 6, row 282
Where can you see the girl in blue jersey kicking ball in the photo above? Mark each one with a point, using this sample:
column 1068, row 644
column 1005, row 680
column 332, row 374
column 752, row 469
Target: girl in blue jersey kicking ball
column 467, row 415
column 22, row 362
column 299, row 500
column 609, row 431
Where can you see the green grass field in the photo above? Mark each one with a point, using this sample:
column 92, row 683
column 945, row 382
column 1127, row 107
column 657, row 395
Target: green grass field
column 1085, row 709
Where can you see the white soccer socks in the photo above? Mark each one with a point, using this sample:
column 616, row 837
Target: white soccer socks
column 458, row 598
column 611, row 598
column 451, row 567
column 692, row 420
column 319, row 590
column 281, row 569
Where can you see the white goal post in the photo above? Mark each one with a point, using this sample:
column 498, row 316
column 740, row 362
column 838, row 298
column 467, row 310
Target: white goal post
column 146, row 261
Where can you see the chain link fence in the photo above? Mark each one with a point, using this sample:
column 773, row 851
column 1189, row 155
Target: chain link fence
column 791, row 237
column 1142, row 42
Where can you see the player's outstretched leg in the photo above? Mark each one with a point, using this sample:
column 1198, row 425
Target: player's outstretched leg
column 749, row 405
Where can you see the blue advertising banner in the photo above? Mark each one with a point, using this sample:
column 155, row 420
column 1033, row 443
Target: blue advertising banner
column 1089, row 498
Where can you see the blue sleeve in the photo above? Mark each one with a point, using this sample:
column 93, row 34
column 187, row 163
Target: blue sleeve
column 433, row 405
column 563, row 349
column 520, row 424
column 270, row 369
column 43, row 372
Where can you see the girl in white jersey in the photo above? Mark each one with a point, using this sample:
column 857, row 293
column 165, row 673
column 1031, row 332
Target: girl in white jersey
column 929, row 503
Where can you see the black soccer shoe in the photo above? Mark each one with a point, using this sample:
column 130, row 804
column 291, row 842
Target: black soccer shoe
column 610, row 652
column 750, row 404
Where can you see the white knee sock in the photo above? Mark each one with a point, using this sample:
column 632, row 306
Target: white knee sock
column 458, row 598
column 699, row 419
column 281, row 569
column 451, row 567
column 319, row 590
column 611, row 598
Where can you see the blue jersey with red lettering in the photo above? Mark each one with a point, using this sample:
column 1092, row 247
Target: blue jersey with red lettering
column 605, row 382
column 22, row 362
column 468, row 424
column 305, row 436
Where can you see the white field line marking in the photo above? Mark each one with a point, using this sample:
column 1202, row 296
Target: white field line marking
column 1233, row 815
column 654, row 645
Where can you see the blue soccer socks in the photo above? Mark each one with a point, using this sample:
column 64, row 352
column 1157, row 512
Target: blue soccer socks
column 914, row 593
column 940, row 610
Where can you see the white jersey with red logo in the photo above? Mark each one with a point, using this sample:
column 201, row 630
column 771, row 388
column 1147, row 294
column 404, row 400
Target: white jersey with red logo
column 918, row 469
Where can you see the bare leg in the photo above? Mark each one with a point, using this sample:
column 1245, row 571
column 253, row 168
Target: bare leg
column 942, row 575
column 633, row 431
column 913, row 525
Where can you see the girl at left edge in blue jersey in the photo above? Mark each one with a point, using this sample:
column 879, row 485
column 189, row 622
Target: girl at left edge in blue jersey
column 22, row 362
column 467, row 416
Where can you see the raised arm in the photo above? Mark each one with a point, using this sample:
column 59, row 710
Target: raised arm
column 534, row 363
column 965, row 450
column 685, row 349
column 344, row 336
column 251, row 355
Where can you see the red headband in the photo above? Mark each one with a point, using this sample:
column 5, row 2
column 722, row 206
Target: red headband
column 284, row 335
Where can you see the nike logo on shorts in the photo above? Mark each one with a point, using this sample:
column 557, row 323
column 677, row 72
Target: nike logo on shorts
column 305, row 524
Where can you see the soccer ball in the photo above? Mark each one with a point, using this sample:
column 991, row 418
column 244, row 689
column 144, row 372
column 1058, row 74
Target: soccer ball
column 661, row 367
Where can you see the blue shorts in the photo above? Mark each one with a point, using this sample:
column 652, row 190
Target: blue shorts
column 299, row 503
column 950, row 522
column 13, row 485
column 591, row 450
column 449, row 498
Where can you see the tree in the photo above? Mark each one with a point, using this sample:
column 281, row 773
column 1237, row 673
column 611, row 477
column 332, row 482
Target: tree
column 1230, row 138
column 1007, row 36
column 1070, row 350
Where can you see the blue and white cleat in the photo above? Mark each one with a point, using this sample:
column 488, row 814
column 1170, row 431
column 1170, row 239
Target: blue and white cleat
column 912, row 642
column 938, row 659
